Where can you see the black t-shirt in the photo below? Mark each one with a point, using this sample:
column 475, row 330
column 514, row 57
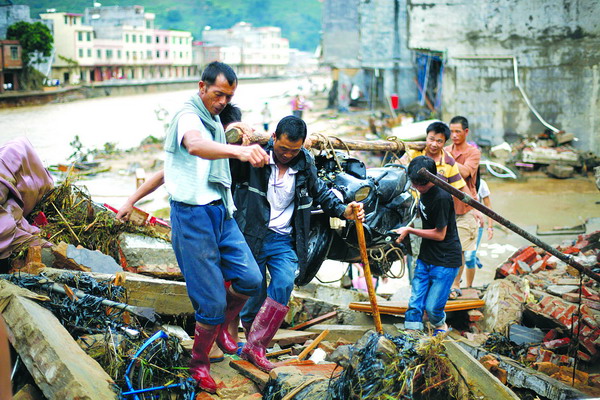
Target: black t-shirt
column 436, row 208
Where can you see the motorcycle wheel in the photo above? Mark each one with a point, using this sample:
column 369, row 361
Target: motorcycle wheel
column 319, row 240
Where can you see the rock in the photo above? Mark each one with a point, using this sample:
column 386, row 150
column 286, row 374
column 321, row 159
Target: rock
column 341, row 355
column 559, row 290
column 68, row 256
column 148, row 256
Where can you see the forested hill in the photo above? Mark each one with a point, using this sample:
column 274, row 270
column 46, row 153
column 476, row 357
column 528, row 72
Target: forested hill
column 299, row 20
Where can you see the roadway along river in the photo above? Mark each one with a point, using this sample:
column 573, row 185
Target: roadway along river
column 127, row 120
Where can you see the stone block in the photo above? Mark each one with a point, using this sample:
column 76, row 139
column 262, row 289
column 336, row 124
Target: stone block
column 148, row 256
column 80, row 259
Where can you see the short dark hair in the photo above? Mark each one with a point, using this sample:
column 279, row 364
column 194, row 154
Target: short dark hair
column 439, row 127
column 216, row 68
column 230, row 113
column 460, row 120
column 415, row 166
column 293, row 127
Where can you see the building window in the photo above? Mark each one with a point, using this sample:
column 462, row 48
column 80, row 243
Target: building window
column 80, row 53
column 127, row 38
column 133, row 38
column 14, row 53
column 157, row 54
column 80, row 36
column 89, row 36
column 166, row 53
column 109, row 54
column 148, row 39
column 99, row 53
column 181, row 54
column 148, row 54
column 119, row 54
column 89, row 53
column 141, row 40
column 66, row 20
column 127, row 55
column 157, row 39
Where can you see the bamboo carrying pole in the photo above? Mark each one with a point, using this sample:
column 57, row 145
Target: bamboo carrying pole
column 465, row 198
column 321, row 142
column 362, row 244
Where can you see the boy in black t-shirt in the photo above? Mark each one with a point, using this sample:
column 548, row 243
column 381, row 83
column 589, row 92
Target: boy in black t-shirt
column 440, row 255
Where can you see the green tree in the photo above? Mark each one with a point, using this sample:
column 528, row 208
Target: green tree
column 35, row 38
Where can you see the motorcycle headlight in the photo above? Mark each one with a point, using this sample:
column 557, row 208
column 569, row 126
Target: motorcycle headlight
column 362, row 193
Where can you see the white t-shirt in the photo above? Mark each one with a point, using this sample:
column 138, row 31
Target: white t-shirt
column 205, row 193
column 280, row 195
column 484, row 190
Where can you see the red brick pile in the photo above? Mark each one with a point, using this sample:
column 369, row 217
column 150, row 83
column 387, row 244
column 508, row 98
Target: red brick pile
column 574, row 311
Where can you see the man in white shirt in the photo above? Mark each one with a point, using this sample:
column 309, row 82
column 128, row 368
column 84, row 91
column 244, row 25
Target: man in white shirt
column 274, row 204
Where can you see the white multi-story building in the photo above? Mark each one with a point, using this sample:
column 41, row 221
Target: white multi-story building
column 251, row 51
column 117, row 43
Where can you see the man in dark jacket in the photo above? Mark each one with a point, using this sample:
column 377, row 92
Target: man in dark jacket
column 273, row 212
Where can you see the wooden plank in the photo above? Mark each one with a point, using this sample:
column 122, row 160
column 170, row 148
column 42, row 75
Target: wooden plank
column 400, row 307
column 250, row 371
column 60, row 368
column 522, row 377
column 479, row 380
column 165, row 296
column 314, row 321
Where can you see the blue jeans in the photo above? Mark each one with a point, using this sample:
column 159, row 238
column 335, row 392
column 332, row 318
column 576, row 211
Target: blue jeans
column 278, row 255
column 430, row 288
column 211, row 249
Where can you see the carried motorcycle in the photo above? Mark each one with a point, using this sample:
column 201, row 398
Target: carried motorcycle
column 389, row 203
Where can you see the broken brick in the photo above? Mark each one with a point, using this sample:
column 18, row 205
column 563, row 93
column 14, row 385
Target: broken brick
column 572, row 297
column 551, row 335
column 557, row 343
column 595, row 304
column 583, row 356
column 589, row 346
column 547, row 368
column 585, row 291
column 475, row 315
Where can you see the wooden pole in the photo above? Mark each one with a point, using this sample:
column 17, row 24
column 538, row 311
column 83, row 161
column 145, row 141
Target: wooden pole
column 322, row 142
column 465, row 198
column 362, row 244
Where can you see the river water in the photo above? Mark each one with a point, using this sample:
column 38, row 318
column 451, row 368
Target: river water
column 126, row 120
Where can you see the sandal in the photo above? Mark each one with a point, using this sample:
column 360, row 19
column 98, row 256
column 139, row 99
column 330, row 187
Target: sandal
column 454, row 294
column 440, row 331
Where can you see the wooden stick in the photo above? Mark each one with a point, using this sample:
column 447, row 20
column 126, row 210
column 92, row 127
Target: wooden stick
column 314, row 321
column 362, row 244
column 314, row 344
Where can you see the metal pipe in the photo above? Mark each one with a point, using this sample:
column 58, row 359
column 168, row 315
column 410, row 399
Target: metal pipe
column 465, row 198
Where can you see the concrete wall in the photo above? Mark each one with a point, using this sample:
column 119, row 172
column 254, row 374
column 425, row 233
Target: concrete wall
column 9, row 14
column 340, row 37
column 556, row 43
column 384, row 45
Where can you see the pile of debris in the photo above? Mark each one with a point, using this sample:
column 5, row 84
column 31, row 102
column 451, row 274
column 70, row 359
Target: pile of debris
column 553, row 152
column 548, row 315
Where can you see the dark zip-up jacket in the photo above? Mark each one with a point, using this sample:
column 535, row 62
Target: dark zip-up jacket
column 253, row 209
